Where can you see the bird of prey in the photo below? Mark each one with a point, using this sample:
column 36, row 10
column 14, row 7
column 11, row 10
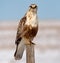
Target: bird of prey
column 26, row 31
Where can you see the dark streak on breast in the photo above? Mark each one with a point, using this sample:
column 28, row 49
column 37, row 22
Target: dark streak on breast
column 31, row 32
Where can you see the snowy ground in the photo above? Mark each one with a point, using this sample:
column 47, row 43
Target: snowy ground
column 47, row 48
column 48, row 56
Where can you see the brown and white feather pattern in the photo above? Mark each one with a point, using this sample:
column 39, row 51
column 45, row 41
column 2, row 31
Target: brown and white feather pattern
column 26, row 31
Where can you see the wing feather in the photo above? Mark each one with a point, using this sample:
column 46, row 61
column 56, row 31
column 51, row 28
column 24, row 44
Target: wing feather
column 20, row 30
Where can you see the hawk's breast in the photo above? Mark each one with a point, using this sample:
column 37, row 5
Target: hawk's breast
column 31, row 32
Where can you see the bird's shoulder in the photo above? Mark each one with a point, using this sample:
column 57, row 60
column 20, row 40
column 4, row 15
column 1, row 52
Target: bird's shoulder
column 22, row 21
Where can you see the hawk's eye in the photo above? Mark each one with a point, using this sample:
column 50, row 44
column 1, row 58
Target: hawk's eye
column 30, row 6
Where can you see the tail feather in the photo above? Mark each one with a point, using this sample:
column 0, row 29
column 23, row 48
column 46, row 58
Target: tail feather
column 19, row 50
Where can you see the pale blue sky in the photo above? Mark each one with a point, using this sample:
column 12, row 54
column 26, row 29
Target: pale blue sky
column 15, row 9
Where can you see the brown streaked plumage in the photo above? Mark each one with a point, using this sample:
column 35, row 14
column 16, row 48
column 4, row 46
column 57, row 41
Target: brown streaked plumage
column 31, row 33
column 20, row 29
column 26, row 31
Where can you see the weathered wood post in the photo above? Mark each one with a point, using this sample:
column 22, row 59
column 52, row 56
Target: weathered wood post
column 30, row 58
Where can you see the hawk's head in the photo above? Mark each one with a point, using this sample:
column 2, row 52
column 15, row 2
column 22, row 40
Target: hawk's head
column 33, row 8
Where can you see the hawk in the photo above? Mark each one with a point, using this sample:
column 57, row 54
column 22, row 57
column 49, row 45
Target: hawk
column 27, row 30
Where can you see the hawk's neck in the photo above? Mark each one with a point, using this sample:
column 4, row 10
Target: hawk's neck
column 31, row 19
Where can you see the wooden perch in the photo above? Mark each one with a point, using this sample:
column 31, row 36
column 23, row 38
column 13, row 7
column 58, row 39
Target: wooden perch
column 30, row 58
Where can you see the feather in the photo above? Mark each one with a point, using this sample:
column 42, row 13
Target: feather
column 19, row 50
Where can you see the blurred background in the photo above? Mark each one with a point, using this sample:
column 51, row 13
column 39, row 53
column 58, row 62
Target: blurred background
column 47, row 48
